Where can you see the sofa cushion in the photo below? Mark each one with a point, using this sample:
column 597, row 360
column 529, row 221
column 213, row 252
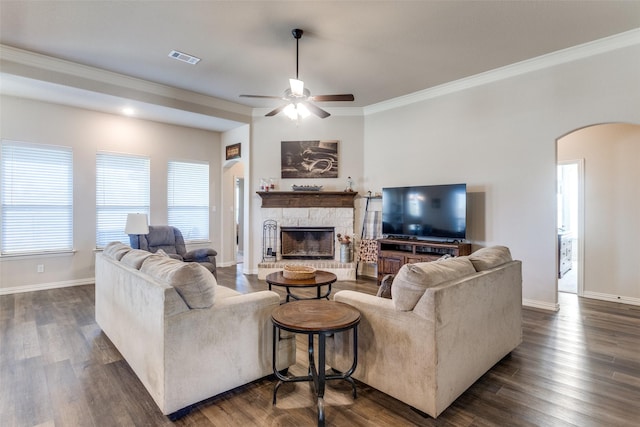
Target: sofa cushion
column 194, row 283
column 486, row 258
column 134, row 258
column 413, row 279
column 116, row 250
column 162, row 253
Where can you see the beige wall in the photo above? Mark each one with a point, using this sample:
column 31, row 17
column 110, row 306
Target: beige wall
column 611, row 156
column 88, row 132
column 500, row 138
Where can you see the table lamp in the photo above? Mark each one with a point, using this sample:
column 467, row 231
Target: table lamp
column 137, row 224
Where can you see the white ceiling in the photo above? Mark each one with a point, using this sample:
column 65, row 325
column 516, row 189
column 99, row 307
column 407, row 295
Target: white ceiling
column 377, row 50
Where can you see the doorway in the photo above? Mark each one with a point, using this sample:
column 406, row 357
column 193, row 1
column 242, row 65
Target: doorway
column 569, row 200
column 238, row 217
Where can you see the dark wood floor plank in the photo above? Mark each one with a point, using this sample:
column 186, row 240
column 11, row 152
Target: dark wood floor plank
column 67, row 397
column 577, row 367
column 24, row 393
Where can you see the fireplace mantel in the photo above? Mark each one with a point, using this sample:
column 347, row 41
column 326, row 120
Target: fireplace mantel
column 307, row 199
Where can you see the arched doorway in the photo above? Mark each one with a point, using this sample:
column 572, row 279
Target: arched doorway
column 608, row 247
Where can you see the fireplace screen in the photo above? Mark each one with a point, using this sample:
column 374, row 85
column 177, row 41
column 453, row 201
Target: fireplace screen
column 307, row 242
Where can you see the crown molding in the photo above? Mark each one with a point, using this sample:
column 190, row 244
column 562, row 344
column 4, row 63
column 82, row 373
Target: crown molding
column 586, row 50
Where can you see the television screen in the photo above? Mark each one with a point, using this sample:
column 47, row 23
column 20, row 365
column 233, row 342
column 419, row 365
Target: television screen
column 425, row 212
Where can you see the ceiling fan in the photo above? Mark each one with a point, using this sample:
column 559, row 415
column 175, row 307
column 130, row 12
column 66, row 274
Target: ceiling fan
column 298, row 99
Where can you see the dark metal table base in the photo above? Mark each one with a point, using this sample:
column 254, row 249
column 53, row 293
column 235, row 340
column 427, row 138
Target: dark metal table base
column 317, row 374
column 291, row 295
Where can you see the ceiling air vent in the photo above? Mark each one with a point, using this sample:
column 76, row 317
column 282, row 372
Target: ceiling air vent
column 184, row 57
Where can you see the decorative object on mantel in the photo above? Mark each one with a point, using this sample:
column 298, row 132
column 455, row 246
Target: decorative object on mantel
column 345, row 247
column 298, row 272
column 306, row 187
column 309, row 159
column 349, row 188
column 267, row 184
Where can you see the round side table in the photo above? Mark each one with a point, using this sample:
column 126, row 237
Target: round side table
column 321, row 318
column 322, row 278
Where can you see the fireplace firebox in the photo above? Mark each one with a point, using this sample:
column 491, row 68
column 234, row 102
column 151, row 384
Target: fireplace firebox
column 307, row 242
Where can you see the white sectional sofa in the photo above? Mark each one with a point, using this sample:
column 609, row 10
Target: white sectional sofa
column 185, row 337
column 447, row 323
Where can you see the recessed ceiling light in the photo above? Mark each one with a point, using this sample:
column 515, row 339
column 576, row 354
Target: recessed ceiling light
column 128, row 111
column 180, row 56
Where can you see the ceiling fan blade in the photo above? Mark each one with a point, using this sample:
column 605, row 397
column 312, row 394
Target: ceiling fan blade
column 261, row 96
column 326, row 98
column 316, row 110
column 276, row 111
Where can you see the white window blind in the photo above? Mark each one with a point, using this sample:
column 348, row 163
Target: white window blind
column 122, row 187
column 37, row 198
column 188, row 199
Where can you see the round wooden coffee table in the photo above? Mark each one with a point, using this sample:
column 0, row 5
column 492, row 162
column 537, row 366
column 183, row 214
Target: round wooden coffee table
column 321, row 318
column 322, row 278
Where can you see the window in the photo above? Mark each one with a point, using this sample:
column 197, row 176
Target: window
column 188, row 199
column 122, row 187
column 37, row 198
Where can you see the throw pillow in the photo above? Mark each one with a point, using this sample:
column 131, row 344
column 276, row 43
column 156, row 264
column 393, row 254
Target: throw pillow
column 115, row 250
column 486, row 258
column 135, row 257
column 384, row 291
column 193, row 282
column 413, row 279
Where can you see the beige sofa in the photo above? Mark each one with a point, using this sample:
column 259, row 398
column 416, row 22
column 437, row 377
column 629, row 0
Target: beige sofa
column 185, row 337
column 448, row 323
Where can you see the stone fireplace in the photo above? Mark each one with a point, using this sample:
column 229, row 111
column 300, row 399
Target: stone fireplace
column 307, row 242
column 310, row 221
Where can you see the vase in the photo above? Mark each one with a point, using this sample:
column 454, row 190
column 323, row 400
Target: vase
column 345, row 252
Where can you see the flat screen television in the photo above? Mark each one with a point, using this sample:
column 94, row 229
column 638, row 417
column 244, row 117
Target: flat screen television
column 427, row 212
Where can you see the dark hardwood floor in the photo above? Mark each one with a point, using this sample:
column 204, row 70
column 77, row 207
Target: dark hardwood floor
column 577, row 367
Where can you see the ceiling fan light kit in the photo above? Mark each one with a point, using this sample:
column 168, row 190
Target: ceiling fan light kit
column 297, row 87
column 296, row 111
column 298, row 98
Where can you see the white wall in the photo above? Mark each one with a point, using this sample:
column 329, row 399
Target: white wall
column 500, row 138
column 611, row 156
column 267, row 134
column 88, row 132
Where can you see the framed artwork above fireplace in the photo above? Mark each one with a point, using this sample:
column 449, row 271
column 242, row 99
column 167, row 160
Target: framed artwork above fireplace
column 309, row 159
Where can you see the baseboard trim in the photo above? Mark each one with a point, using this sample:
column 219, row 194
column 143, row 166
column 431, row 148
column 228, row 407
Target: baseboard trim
column 612, row 298
column 45, row 286
column 227, row 264
column 542, row 305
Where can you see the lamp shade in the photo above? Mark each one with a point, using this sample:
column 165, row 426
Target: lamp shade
column 136, row 224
